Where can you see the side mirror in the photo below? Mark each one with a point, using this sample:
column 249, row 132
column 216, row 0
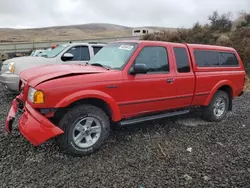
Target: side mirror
column 139, row 69
column 67, row 56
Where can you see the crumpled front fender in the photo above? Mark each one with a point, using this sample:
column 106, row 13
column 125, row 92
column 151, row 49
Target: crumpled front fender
column 36, row 128
column 12, row 113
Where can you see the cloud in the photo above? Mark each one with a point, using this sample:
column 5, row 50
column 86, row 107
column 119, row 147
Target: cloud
column 167, row 13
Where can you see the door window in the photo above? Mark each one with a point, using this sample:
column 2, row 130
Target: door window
column 155, row 58
column 80, row 53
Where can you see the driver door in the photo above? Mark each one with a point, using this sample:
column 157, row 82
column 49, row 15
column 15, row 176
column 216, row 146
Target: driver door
column 153, row 91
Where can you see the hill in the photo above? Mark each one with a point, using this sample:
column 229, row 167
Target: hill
column 71, row 32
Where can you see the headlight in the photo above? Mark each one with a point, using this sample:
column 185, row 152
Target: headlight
column 11, row 67
column 36, row 96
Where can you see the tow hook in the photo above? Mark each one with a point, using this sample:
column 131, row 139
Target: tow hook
column 12, row 119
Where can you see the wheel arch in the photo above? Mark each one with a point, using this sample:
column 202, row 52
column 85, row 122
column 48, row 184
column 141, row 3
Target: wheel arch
column 225, row 86
column 94, row 97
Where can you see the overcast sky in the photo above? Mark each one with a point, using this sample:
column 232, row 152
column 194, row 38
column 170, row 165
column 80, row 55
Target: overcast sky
column 166, row 13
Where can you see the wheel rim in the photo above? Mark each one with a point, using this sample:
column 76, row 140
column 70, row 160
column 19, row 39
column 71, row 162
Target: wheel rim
column 219, row 107
column 86, row 132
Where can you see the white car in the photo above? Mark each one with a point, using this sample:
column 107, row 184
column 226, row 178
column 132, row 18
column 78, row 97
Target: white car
column 36, row 52
column 69, row 53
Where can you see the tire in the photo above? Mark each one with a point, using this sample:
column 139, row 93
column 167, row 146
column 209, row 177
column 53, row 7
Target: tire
column 78, row 130
column 210, row 113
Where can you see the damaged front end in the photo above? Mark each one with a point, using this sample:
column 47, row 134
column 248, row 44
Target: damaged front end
column 15, row 110
column 34, row 126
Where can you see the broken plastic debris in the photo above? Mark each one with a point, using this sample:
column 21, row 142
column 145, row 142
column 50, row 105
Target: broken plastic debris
column 219, row 143
column 187, row 177
column 206, row 178
column 189, row 149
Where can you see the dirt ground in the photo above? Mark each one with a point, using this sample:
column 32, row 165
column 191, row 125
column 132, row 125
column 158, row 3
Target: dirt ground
column 183, row 151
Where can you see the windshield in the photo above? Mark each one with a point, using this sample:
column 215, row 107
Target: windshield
column 55, row 51
column 45, row 52
column 33, row 52
column 114, row 55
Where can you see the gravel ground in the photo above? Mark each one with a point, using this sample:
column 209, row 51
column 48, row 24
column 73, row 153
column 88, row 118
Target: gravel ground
column 176, row 152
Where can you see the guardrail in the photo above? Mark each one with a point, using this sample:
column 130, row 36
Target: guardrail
column 25, row 47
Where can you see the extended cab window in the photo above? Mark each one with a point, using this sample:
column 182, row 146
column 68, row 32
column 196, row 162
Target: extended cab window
column 228, row 59
column 155, row 58
column 206, row 58
column 182, row 60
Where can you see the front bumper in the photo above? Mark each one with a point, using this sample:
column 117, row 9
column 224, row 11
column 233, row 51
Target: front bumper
column 34, row 127
column 11, row 81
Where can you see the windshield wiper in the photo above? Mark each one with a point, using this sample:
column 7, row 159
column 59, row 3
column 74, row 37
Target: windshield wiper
column 98, row 64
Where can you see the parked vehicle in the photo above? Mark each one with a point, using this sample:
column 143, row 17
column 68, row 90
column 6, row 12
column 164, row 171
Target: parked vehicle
column 3, row 56
column 125, row 83
column 36, row 52
column 44, row 53
column 70, row 53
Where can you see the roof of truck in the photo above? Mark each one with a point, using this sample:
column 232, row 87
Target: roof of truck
column 206, row 46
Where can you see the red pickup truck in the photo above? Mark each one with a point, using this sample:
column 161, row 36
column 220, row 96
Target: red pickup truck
column 124, row 83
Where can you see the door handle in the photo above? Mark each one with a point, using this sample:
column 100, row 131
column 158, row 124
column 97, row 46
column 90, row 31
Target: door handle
column 170, row 80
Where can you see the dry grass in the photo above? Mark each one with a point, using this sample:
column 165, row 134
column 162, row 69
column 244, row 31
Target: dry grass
column 247, row 84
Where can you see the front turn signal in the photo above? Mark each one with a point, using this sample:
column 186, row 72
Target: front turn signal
column 38, row 97
column 12, row 69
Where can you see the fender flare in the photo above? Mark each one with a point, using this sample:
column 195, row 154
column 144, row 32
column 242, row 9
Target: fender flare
column 116, row 115
column 216, row 87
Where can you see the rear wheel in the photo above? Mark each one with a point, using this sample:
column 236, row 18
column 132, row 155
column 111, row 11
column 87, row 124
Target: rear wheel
column 218, row 107
column 86, row 128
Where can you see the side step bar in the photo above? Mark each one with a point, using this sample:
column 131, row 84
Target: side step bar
column 153, row 117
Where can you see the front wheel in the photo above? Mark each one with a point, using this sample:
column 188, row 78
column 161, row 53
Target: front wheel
column 218, row 107
column 86, row 127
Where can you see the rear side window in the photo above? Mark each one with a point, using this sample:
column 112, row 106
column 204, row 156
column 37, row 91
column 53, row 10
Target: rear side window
column 228, row 59
column 182, row 60
column 206, row 58
column 155, row 58
column 96, row 49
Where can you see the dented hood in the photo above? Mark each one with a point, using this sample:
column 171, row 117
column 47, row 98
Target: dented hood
column 40, row 74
